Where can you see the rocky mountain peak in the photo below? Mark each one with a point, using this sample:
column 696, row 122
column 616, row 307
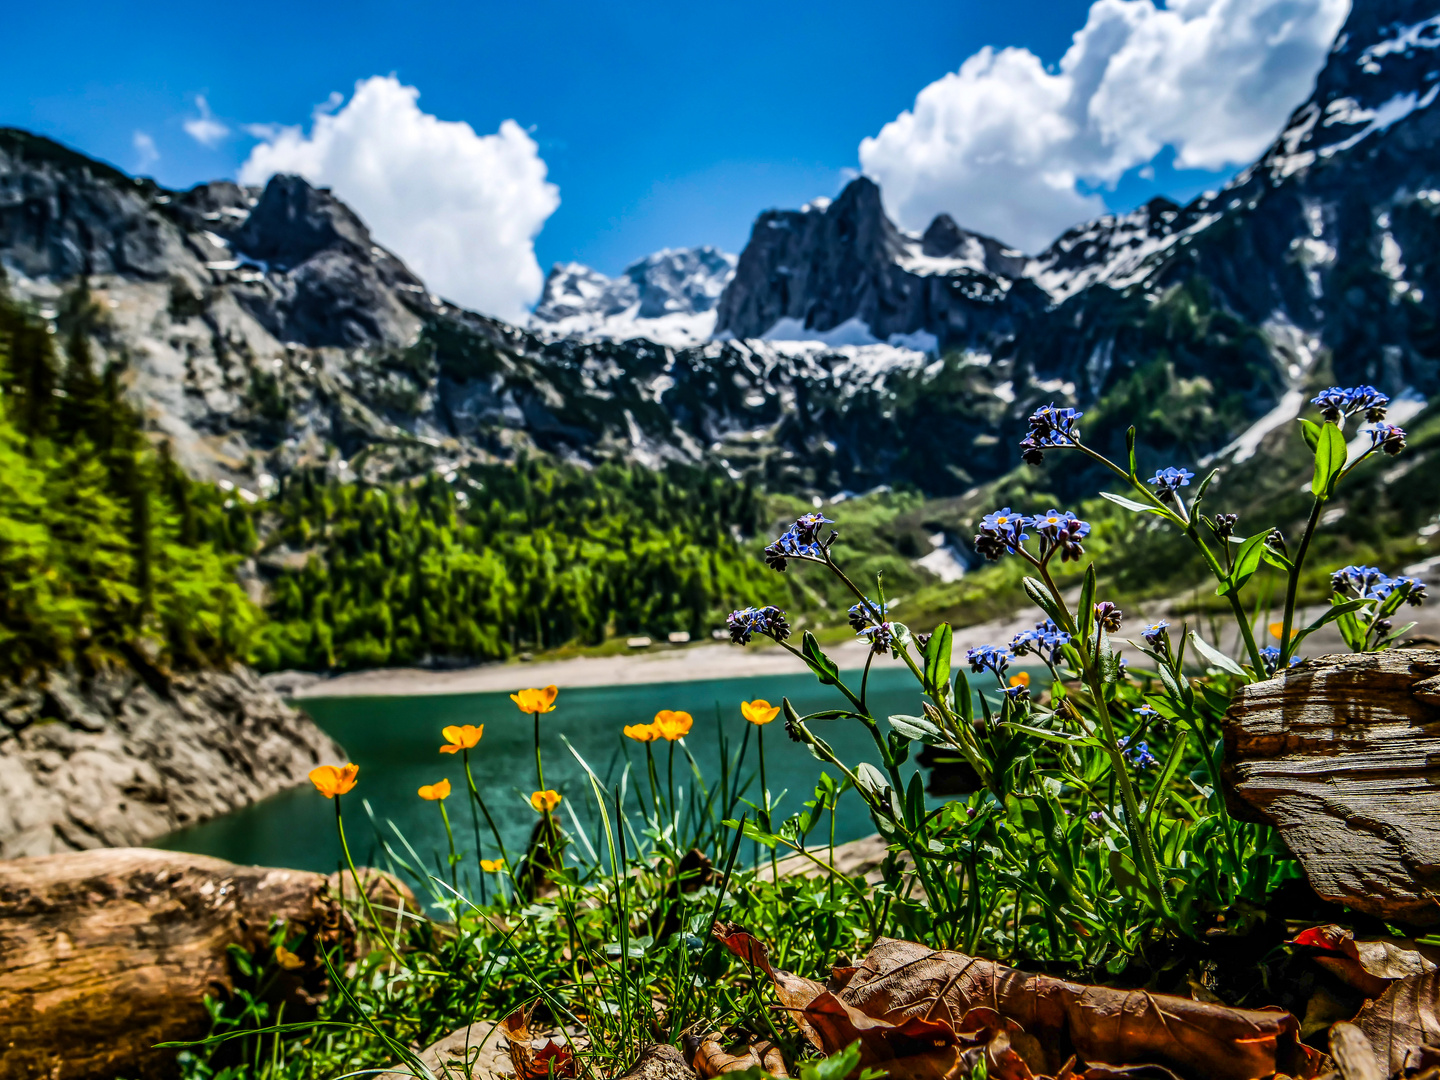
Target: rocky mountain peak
column 845, row 263
column 942, row 238
column 669, row 297
column 1384, row 66
column 293, row 222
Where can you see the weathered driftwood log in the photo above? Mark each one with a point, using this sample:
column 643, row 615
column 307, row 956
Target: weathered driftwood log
column 1342, row 754
column 105, row 953
column 659, row 1062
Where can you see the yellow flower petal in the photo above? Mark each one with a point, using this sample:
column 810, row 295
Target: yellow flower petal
column 331, row 781
column 287, row 959
column 545, row 800
column 435, row 792
column 492, row 866
column 759, row 711
column 461, row 737
column 673, row 725
column 642, row 732
column 536, row 701
column 1020, row 678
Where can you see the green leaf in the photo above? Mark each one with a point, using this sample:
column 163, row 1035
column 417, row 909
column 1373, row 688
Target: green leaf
column 1167, row 772
column 1310, row 432
column 1177, row 689
column 872, row 781
column 899, row 748
column 835, row 1067
column 937, row 660
column 915, row 802
column 1131, row 504
column 1330, row 452
column 1204, row 486
column 1247, row 561
column 1353, row 633
column 1044, row 601
column 963, row 697
column 1045, row 734
column 826, row 670
column 1396, row 635
column 1275, row 559
column 1130, row 450
column 1329, row 615
column 920, row 728
column 1085, row 614
column 1215, row 657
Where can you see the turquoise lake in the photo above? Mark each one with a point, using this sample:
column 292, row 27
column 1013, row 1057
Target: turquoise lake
column 396, row 740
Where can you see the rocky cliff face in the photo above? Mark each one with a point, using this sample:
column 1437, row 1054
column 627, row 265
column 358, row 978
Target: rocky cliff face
column 811, row 271
column 115, row 761
column 265, row 330
column 668, row 297
column 1324, row 244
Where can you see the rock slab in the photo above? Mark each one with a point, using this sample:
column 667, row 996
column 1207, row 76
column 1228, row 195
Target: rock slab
column 116, row 761
column 1342, row 755
column 105, row 953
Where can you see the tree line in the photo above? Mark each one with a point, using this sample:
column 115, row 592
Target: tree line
column 109, row 552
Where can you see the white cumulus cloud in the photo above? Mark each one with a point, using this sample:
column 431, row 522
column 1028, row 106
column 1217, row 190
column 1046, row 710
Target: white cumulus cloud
column 205, row 129
column 1001, row 143
column 462, row 209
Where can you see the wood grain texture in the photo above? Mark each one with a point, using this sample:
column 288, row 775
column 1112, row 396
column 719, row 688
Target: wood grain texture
column 1342, row 754
column 105, row 953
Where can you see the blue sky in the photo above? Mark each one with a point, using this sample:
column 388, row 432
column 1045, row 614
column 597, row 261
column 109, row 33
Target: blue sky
column 660, row 124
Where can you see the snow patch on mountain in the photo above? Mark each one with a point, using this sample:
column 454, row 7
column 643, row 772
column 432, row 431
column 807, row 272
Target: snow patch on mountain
column 668, row 297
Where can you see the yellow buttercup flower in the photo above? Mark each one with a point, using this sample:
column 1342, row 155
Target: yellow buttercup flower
column 642, row 732
column 287, row 959
column 545, row 800
column 331, row 781
column 1020, row 678
column 673, row 725
column 460, row 738
column 536, row 701
column 1277, row 629
column 492, row 866
column 435, row 792
column 759, row 711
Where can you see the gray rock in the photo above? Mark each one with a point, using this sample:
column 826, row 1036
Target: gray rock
column 828, row 264
column 113, row 762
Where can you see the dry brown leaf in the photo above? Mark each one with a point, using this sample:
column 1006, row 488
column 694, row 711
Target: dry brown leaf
column 713, row 1058
column 1368, row 965
column 1406, row 1016
column 1116, row 1027
column 908, row 1005
column 552, row 1059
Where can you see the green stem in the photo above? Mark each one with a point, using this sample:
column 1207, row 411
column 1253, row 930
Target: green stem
column 450, row 836
column 1139, row 836
column 671, row 810
column 1292, row 586
column 654, row 781
column 765, row 813
column 494, row 831
column 677, row 1024
column 364, row 896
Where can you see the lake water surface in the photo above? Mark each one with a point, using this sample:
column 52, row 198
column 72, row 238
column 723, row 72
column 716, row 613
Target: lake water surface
column 396, row 740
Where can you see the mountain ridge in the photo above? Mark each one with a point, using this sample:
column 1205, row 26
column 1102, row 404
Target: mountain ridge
column 668, row 297
column 266, row 331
